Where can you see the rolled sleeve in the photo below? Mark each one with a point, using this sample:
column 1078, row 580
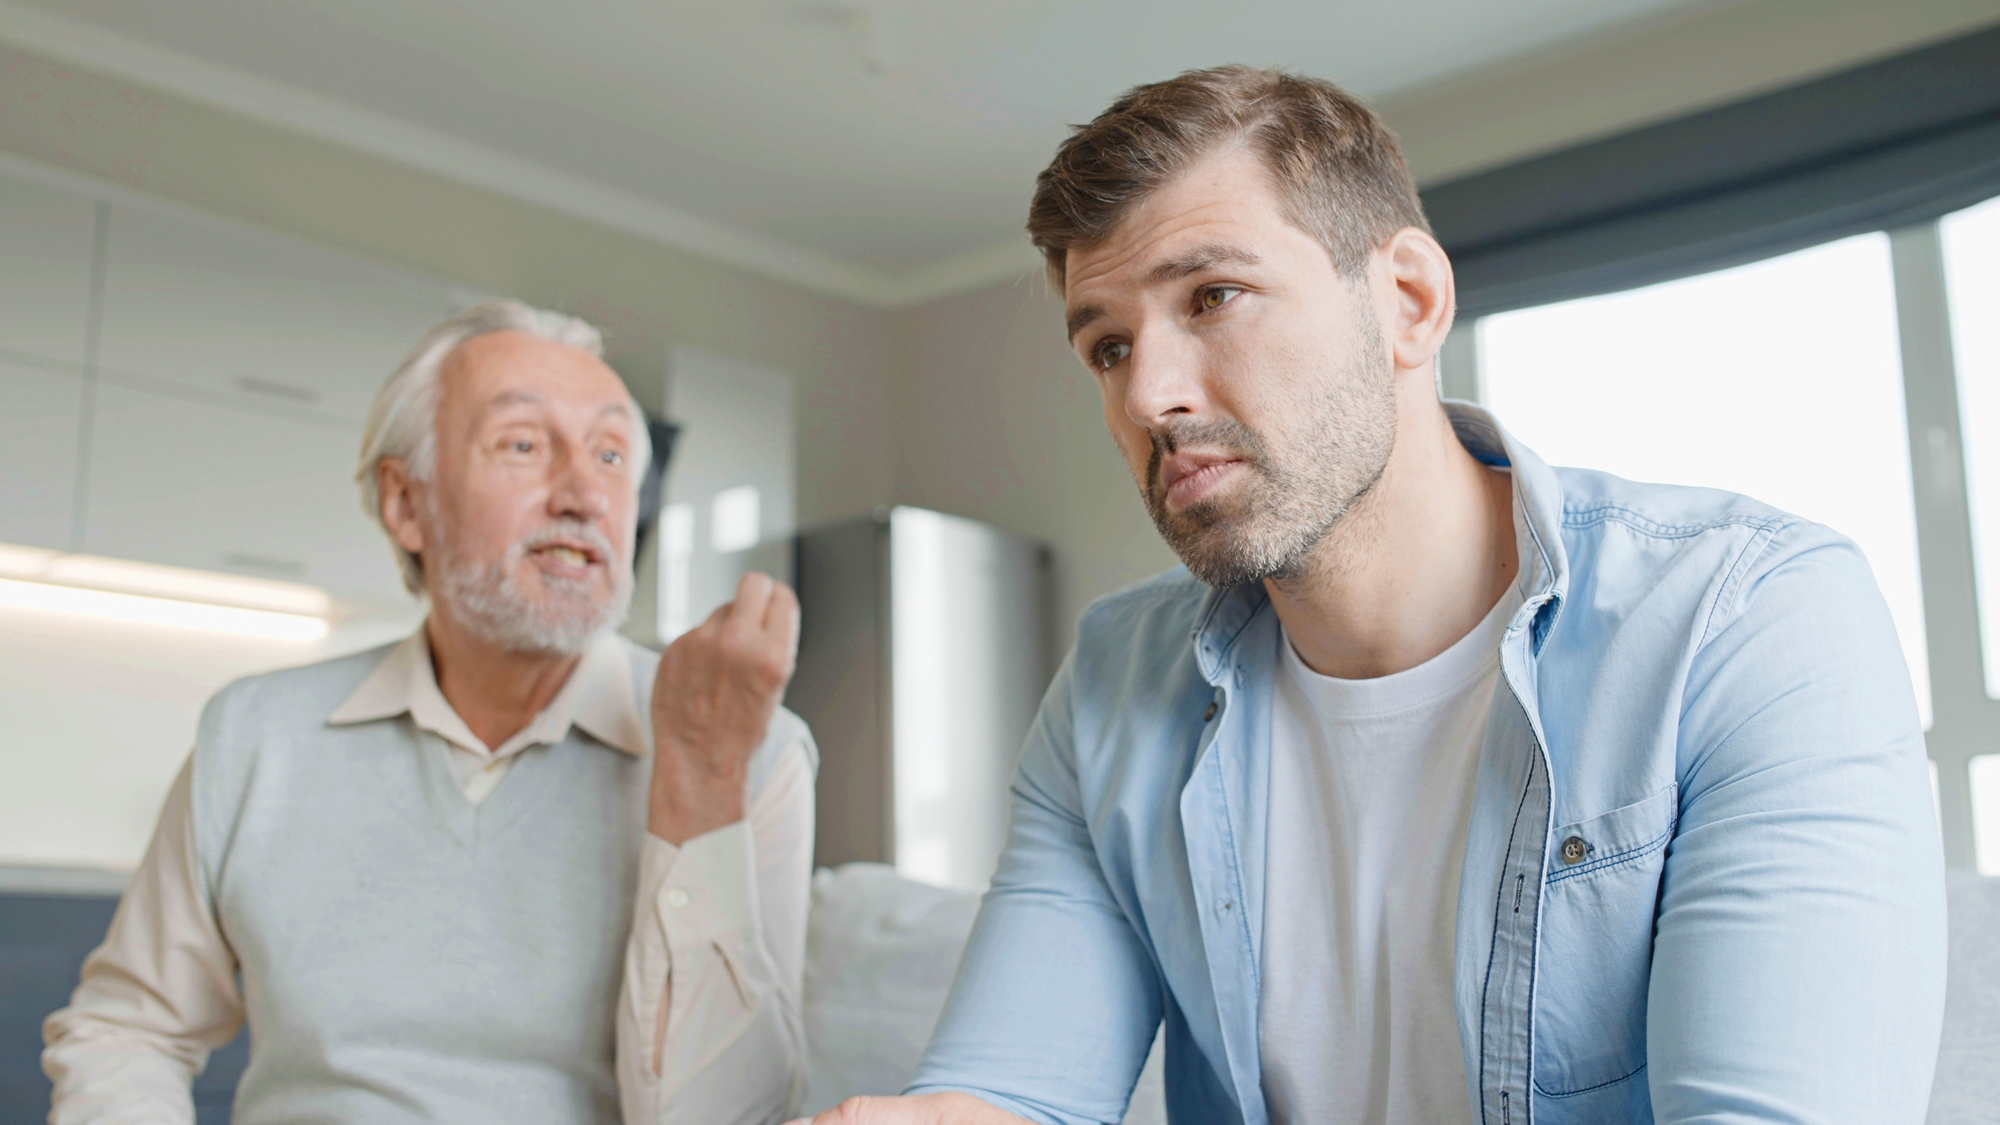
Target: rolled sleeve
column 1056, row 1001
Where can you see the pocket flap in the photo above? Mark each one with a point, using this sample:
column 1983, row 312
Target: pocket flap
column 1614, row 837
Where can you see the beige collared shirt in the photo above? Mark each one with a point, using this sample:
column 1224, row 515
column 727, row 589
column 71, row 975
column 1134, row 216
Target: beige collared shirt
column 708, row 1022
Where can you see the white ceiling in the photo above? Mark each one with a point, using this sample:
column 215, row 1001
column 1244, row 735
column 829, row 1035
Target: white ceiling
column 882, row 149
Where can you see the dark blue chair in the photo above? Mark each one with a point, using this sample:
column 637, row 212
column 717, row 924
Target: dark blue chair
column 43, row 941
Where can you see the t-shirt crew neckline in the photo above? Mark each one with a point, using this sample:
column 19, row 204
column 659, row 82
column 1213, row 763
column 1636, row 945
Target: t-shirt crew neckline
column 1468, row 658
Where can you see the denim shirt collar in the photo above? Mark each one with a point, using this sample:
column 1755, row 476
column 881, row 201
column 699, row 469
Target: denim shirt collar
column 1538, row 504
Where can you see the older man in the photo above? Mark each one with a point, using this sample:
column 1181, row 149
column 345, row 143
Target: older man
column 514, row 868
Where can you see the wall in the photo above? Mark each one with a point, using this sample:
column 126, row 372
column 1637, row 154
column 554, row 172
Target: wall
column 997, row 420
column 110, row 708
column 645, row 296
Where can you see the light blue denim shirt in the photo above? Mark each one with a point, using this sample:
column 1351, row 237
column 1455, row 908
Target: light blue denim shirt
column 1702, row 697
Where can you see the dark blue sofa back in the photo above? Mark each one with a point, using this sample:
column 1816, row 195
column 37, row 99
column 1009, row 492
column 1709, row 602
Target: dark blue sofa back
column 43, row 941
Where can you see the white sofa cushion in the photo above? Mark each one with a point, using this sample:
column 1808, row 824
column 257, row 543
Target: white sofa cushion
column 1966, row 1090
column 880, row 954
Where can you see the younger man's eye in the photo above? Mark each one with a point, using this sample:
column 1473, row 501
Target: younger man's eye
column 1111, row 353
column 1216, row 296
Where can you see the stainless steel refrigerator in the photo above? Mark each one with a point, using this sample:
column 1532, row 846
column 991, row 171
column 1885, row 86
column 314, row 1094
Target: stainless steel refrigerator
column 923, row 654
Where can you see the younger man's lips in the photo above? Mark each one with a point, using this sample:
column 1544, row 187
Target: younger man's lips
column 1187, row 477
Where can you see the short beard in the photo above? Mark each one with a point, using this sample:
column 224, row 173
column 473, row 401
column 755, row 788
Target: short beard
column 490, row 603
column 1295, row 496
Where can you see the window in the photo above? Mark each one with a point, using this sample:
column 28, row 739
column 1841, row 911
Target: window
column 1985, row 771
column 1784, row 379
column 1781, row 380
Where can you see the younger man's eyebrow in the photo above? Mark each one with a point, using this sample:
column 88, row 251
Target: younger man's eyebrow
column 1200, row 258
column 1080, row 317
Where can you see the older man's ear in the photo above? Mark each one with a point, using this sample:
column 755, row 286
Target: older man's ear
column 399, row 503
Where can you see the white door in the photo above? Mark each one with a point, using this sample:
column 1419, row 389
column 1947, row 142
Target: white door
column 39, row 414
column 45, row 244
column 254, row 316
column 199, row 485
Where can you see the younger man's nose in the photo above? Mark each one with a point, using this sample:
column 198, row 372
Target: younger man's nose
column 1162, row 382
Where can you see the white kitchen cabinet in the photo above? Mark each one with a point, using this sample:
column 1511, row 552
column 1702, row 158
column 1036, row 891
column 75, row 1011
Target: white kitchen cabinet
column 256, row 316
column 195, row 484
column 45, row 249
column 39, row 414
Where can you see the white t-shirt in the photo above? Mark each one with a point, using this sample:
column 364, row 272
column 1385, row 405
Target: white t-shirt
column 1371, row 785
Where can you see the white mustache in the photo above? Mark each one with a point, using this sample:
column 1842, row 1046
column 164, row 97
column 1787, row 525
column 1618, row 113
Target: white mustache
column 566, row 529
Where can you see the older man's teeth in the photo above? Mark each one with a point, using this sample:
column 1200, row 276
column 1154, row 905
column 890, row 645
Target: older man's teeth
column 569, row 555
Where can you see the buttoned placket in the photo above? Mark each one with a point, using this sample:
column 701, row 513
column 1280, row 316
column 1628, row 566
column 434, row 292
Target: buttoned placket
column 1222, row 808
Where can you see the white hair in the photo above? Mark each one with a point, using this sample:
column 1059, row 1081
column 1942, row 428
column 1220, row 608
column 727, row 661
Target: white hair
column 402, row 421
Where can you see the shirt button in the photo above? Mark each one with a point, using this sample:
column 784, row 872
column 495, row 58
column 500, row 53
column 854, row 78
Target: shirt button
column 677, row 897
column 1574, row 849
column 1210, row 713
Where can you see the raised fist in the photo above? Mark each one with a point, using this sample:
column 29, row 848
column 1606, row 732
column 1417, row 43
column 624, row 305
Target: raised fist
column 717, row 688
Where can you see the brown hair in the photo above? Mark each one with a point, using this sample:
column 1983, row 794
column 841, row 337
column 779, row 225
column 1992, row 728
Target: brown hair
column 1338, row 169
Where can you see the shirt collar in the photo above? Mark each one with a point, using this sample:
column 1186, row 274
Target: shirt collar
column 598, row 697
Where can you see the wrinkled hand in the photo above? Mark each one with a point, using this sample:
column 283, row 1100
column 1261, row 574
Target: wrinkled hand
column 717, row 688
column 922, row 1109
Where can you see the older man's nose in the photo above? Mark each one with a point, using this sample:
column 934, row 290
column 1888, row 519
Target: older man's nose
column 577, row 492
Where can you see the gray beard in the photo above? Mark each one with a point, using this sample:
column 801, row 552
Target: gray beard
column 491, row 605
column 1296, row 495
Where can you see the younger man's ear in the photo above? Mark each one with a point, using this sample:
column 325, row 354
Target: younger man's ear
column 1425, row 297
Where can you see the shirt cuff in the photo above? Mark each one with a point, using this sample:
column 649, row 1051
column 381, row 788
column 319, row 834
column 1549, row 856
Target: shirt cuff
column 706, row 887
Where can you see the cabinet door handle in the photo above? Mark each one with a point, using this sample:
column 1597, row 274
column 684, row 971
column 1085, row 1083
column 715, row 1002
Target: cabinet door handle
column 245, row 561
column 271, row 388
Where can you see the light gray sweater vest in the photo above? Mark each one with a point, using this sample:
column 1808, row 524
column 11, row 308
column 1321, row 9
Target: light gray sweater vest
column 406, row 956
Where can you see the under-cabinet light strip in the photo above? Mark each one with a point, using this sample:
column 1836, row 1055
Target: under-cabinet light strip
column 170, row 613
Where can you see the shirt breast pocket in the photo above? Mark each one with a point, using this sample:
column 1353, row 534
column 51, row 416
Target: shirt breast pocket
column 1599, row 904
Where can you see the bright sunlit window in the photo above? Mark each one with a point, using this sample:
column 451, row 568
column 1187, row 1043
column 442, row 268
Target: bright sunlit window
column 1972, row 279
column 1986, row 811
column 1781, row 379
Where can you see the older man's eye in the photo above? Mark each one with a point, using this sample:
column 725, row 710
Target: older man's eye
column 520, row 445
column 1111, row 353
column 1216, row 296
column 611, row 457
